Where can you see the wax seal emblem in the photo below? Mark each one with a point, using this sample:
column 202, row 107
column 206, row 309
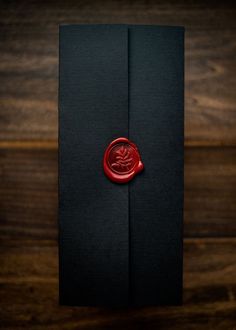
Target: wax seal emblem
column 122, row 161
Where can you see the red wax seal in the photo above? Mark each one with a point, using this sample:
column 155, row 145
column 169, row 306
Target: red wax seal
column 121, row 160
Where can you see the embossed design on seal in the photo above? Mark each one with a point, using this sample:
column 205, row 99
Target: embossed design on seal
column 122, row 160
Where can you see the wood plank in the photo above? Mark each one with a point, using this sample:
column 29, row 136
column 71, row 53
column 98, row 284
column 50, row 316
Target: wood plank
column 210, row 192
column 29, row 290
column 192, row 15
column 29, row 63
column 28, row 193
column 210, row 99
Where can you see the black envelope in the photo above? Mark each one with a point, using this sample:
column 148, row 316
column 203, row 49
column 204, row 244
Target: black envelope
column 121, row 244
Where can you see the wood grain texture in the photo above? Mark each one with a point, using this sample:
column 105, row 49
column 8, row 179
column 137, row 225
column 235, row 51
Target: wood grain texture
column 28, row 193
column 210, row 192
column 29, row 289
column 28, row 198
column 29, row 62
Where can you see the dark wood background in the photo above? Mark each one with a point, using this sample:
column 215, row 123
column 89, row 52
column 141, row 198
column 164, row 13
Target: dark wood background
column 28, row 164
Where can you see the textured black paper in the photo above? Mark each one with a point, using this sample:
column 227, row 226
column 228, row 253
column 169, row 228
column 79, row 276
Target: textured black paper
column 120, row 244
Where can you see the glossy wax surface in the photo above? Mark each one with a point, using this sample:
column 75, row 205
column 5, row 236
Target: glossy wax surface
column 122, row 160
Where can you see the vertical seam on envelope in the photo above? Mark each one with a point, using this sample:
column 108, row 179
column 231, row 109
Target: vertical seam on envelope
column 129, row 233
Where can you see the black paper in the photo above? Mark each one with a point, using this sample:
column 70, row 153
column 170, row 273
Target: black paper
column 120, row 244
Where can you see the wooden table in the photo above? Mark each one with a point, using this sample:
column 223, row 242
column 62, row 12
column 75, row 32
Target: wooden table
column 28, row 165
